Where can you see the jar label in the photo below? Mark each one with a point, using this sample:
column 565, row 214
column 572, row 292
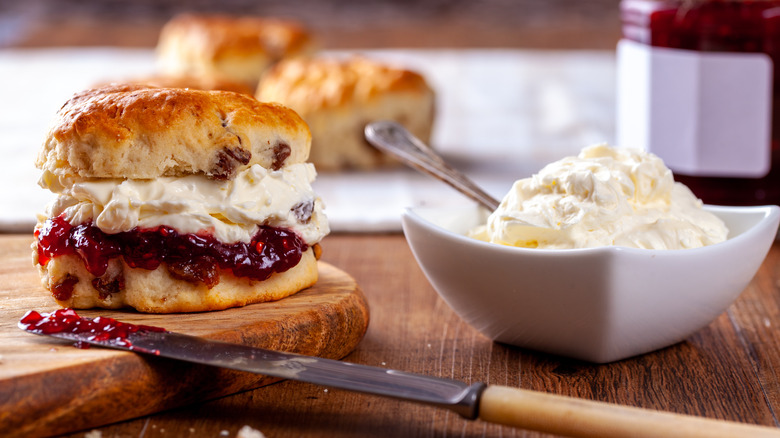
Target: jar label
column 703, row 113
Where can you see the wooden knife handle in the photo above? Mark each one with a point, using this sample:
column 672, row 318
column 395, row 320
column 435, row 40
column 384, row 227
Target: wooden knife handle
column 575, row 417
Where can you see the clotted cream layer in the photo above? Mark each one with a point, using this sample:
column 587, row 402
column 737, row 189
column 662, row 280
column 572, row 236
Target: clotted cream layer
column 232, row 210
column 604, row 196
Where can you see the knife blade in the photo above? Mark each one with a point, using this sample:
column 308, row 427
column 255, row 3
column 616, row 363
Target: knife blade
column 514, row 407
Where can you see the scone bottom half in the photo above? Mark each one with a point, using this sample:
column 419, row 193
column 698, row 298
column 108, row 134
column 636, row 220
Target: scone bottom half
column 136, row 132
column 162, row 271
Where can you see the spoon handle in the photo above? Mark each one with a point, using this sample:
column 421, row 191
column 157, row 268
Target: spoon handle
column 395, row 140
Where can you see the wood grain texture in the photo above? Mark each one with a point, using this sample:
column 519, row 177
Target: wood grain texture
column 728, row 370
column 336, row 24
column 725, row 371
column 47, row 387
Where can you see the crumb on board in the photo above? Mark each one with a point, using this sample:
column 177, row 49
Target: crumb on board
column 248, row 432
column 93, row 434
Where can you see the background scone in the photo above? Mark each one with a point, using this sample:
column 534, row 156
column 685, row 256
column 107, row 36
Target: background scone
column 175, row 200
column 212, row 82
column 238, row 48
column 338, row 97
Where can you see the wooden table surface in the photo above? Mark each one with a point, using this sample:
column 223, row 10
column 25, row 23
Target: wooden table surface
column 547, row 24
column 727, row 370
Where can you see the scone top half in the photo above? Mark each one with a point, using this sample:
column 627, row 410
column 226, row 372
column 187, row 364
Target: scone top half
column 176, row 200
column 139, row 132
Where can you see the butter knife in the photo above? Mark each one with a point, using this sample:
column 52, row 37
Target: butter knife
column 508, row 406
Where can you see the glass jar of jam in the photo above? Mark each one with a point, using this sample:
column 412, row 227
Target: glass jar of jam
column 699, row 86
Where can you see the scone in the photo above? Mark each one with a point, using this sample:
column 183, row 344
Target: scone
column 238, row 48
column 176, row 200
column 338, row 97
column 186, row 81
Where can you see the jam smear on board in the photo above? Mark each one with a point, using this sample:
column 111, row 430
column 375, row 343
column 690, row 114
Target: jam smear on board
column 190, row 257
column 98, row 329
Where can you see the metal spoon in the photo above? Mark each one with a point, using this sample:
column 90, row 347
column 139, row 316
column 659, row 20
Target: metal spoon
column 394, row 139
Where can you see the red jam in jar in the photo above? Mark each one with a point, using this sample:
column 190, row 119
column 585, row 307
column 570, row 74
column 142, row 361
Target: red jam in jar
column 718, row 27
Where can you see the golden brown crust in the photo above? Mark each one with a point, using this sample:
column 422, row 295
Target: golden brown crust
column 239, row 47
column 140, row 132
column 186, row 81
column 156, row 291
column 312, row 84
column 337, row 97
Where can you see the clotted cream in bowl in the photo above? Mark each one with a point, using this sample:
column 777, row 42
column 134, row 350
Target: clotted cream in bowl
column 597, row 266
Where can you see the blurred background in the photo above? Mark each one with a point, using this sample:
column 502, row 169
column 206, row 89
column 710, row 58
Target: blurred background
column 341, row 24
column 519, row 83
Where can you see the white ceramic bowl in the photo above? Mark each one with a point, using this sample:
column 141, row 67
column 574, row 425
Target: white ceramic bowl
column 595, row 304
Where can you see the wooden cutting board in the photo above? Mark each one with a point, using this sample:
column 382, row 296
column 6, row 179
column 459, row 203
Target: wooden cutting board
column 49, row 387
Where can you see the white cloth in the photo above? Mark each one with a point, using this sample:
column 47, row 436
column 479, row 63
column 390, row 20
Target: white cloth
column 501, row 115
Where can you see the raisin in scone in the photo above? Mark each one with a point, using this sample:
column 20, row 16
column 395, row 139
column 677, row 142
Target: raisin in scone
column 176, row 200
column 237, row 47
column 338, row 97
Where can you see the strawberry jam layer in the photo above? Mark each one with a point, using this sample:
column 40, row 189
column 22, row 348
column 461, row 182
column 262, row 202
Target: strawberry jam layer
column 191, row 257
